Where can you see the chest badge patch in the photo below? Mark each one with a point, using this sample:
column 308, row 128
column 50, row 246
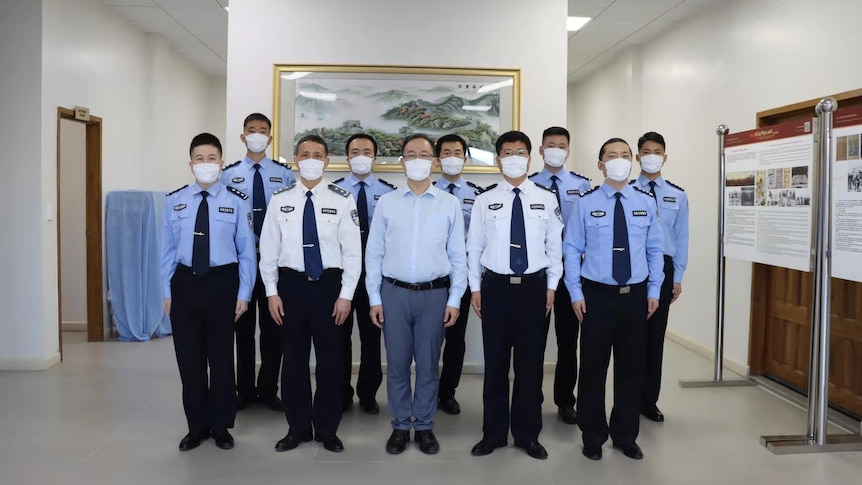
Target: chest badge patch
column 669, row 199
column 377, row 197
column 180, row 207
column 598, row 213
column 226, row 210
column 277, row 180
column 354, row 214
column 572, row 192
column 639, row 213
column 327, row 210
column 496, row 206
column 469, row 201
column 537, row 207
column 237, row 180
column 287, row 209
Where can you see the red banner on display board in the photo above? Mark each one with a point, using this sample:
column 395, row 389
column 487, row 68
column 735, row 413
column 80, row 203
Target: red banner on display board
column 847, row 117
column 771, row 133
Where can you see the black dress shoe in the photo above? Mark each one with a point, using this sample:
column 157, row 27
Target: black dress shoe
column 632, row 450
column 290, row 442
column 428, row 443
column 273, row 403
column 487, row 446
column 397, row 441
column 449, row 405
column 534, row 449
column 193, row 440
column 653, row 413
column 568, row 414
column 370, row 406
column 593, row 453
column 330, row 443
column 223, row 439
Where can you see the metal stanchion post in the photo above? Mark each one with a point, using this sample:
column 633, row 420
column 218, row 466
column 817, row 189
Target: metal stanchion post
column 817, row 440
column 718, row 379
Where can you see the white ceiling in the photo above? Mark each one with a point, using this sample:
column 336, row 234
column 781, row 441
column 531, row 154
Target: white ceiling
column 198, row 28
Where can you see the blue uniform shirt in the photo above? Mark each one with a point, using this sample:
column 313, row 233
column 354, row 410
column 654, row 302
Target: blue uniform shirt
column 417, row 238
column 673, row 214
column 231, row 234
column 571, row 185
column 590, row 233
column 374, row 189
column 465, row 192
column 240, row 175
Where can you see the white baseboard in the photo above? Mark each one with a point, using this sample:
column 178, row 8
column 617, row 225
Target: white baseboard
column 736, row 367
column 74, row 326
column 29, row 363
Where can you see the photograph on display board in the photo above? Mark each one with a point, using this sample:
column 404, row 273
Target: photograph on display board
column 803, row 197
column 788, row 177
column 853, row 147
column 747, row 196
column 733, row 199
column 739, row 179
column 854, row 177
column 799, row 179
column 841, row 148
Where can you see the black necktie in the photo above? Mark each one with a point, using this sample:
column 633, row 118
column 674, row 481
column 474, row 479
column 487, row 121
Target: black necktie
column 652, row 191
column 556, row 189
column 518, row 246
column 201, row 241
column 451, row 189
column 622, row 264
column 258, row 200
column 362, row 210
column 310, row 242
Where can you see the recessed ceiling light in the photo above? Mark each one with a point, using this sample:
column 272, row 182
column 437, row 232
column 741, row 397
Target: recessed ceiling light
column 574, row 24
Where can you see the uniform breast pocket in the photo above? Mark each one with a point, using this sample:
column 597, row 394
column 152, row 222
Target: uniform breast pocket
column 638, row 228
column 496, row 222
column 436, row 227
column 599, row 231
column 178, row 221
column 225, row 227
column 327, row 226
column 668, row 212
column 537, row 220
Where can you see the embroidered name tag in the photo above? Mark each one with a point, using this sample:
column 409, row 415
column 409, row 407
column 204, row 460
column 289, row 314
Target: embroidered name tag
column 287, row 208
column 226, row 210
column 669, row 199
column 598, row 213
column 376, row 197
column 494, row 207
column 180, row 207
column 237, row 180
column 537, row 207
column 572, row 192
column 639, row 213
column 277, row 180
column 327, row 210
column 469, row 201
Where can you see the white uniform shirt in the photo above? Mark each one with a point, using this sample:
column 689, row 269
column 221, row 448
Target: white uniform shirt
column 489, row 236
column 337, row 230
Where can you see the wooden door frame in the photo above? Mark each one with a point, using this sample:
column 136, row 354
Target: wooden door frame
column 93, row 223
column 760, row 272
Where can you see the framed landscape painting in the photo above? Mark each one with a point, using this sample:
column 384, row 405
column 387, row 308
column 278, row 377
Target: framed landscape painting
column 390, row 103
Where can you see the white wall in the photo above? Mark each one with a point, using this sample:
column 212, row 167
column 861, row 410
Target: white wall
column 73, row 222
column 509, row 35
column 722, row 66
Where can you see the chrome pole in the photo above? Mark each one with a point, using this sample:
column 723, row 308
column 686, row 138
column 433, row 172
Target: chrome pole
column 722, row 132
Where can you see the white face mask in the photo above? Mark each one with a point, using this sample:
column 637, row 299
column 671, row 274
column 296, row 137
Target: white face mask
column 618, row 169
column 652, row 163
column 311, row 169
column 452, row 165
column 555, row 157
column 206, row 173
column 360, row 164
column 418, row 169
column 256, row 142
column 514, row 166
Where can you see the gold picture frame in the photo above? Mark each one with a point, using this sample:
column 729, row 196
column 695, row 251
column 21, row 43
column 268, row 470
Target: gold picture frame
column 390, row 102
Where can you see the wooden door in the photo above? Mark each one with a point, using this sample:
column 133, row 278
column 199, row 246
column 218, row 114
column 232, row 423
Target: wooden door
column 780, row 345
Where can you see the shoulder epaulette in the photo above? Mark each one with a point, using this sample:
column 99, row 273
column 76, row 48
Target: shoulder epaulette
column 338, row 190
column 479, row 190
column 234, row 164
column 674, row 185
column 643, row 191
column 490, row 187
column 285, row 165
column 632, row 182
column 576, row 174
column 174, row 192
column 287, row 187
column 533, row 174
column 237, row 193
column 339, row 180
column 591, row 190
column 546, row 188
column 387, row 184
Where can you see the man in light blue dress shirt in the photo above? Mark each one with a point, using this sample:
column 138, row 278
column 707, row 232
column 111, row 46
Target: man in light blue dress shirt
column 615, row 228
column 672, row 204
column 416, row 274
column 257, row 176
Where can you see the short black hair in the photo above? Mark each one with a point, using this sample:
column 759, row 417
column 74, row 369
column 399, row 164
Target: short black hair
column 313, row 139
column 415, row 136
column 256, row 117
column 205, row 139
column 359, row 136
column 451, row 138
column 612, row 140
column 556, row 130
column 651, row 136
column 511, row 137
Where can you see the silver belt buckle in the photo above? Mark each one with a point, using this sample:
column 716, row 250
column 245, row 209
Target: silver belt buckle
column 309, row 278
column 625, row 290
column 514, row 280
column 414, row 286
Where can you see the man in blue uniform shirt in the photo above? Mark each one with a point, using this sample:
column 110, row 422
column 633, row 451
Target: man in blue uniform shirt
column 366, row 190
column 673, row 213
column 452, row 154
column 615, row 228
column 208, row 268
column 258, row 176
column 568, row 187
column 417, row 274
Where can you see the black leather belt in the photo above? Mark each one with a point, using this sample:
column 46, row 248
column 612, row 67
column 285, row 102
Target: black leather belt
column 327, row 273
column 615, row 289
column 512, row 279
column 443, row 282
column 213, row 269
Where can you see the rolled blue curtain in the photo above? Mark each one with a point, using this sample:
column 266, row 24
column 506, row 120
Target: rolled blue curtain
column 132, row 226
